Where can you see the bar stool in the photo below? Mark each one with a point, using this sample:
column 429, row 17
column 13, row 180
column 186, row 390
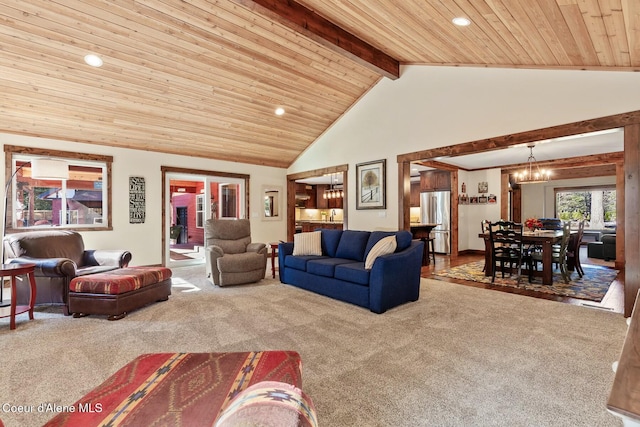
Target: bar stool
column 429, row 251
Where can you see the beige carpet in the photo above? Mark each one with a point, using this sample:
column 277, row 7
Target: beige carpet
column 460, row 356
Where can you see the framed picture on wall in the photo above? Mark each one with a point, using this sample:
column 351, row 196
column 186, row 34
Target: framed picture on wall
column 371, row 185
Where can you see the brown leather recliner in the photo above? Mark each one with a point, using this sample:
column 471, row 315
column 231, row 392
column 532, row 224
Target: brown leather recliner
column 232, row 258
column 59, row 256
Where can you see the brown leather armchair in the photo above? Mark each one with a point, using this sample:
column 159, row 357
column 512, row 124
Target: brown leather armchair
column 232, row 258
column 59, row 256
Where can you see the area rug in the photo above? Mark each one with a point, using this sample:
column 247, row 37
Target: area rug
column 592, row 286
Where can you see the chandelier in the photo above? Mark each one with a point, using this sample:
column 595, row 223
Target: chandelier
column 333, row 192
column 532, row 174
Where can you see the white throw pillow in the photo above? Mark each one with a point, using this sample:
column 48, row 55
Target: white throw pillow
column 386, row 245
column 307, row 243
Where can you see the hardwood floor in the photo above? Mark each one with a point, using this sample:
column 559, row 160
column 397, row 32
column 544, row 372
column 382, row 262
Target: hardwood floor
column 612, row 301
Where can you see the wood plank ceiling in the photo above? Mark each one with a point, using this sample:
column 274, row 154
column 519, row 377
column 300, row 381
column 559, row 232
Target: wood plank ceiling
column 203, row 77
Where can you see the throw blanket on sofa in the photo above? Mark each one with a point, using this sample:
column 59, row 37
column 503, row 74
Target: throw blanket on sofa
column 178, row 389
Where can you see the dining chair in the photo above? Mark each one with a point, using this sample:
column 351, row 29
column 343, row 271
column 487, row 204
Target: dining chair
column 506, row 246
column 573, row 251
column 558, row 257
column 484, row 226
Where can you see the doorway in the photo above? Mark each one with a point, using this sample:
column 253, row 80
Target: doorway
column 182, row 224
column 190, row 199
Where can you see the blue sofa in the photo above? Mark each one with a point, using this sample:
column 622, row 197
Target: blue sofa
column 340, row 272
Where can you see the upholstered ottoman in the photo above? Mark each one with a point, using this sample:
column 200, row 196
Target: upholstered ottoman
column 196, row 389
column 117, row 292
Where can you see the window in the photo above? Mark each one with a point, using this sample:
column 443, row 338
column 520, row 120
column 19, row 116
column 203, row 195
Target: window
column 200, row 211
column 81, row 202
column 597, row 205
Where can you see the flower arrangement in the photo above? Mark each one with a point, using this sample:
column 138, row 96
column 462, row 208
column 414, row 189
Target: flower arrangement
column 533, row 223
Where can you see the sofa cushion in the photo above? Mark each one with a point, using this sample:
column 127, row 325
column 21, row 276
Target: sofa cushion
column 353, row 272
column 403, row 239
column 330, row 240
column 352, row 245
column 307, row 243
column 386, row 245
column 299, row 262
column 46, row 244
column 326, row 266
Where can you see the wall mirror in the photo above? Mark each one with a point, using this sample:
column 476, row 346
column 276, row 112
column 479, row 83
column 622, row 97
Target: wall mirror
column 272, row 202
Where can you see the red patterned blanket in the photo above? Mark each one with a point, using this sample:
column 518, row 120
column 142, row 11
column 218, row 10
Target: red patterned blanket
column 178, row 389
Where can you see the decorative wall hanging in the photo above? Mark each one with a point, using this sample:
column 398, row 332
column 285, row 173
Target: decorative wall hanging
column 371, row 185
column 137, row 208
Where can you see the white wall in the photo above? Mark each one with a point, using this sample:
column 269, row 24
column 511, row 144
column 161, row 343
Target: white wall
column 470, row 216
column 430, row 107
column 145, row 240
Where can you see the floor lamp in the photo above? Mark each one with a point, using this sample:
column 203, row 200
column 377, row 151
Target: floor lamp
column 41, row 168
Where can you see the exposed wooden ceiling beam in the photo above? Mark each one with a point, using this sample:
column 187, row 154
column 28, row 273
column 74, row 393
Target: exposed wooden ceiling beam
column 573, row 162
column 299, row 18
column 576, row 173
column 439, row 165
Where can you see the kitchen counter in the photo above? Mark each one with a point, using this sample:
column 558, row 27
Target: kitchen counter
column 421, row 230
column 317, row 221
column 311, row 225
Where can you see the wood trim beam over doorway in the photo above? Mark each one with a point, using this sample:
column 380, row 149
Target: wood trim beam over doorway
column 627, row 181
column 291, row 194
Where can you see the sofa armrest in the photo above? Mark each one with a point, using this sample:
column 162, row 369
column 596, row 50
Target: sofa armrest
column 284, row 249
column 395, row 278
column 116, row 258
column 257, row 247
column 212, row 253
column 49, row 267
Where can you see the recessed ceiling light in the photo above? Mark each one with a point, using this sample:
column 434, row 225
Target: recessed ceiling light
column 93, row 60
column 279, row 111
column 461, row 21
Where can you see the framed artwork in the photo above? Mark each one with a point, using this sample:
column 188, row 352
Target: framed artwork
column 137, row 209
column 483, row 187
column 493, row 198
column 371, row 192
column 482, row 199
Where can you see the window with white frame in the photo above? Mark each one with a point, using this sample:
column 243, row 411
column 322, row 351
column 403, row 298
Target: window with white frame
column 81, row 202
column 200, row 211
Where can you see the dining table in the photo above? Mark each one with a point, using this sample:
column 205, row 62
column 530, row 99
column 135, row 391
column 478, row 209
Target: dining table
column 542, row 238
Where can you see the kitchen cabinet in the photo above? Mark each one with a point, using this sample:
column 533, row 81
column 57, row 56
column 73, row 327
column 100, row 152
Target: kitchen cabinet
column 415, row 195
column 306, row 196
column 435, row 181
column 323, row 203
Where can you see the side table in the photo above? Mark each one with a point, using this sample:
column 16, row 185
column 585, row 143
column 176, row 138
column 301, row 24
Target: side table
column 13, row 271
column 274, row 253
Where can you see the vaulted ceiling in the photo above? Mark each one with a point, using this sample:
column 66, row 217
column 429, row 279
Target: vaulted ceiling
column 203, row 77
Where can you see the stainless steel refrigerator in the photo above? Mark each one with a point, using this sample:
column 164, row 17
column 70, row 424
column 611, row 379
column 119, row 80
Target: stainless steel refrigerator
column 435, row 208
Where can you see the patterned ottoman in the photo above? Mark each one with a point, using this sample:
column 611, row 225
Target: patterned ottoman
column 117, row 292
column 193, row 389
